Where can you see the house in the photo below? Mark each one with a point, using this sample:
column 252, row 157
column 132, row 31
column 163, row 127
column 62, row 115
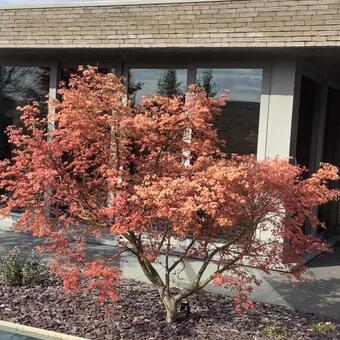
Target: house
column 279, row 59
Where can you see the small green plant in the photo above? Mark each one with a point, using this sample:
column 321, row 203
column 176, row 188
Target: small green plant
column 323, row 327
column 20, row 268
column 277, row 331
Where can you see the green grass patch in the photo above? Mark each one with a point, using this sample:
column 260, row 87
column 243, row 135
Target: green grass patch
column 323, row 327
column 277, row 331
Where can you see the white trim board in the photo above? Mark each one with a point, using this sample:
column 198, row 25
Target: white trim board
column 22, row 4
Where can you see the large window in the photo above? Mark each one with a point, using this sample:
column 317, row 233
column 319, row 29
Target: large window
column 147, row 82
column 19, row 86
column 239, row 121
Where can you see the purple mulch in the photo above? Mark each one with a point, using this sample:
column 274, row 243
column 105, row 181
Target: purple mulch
column 138, row 315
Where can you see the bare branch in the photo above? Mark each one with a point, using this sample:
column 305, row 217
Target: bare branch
column 167, row 272
column 174, row 265
column 163, row 239
column 148, row 269
column 196, row 284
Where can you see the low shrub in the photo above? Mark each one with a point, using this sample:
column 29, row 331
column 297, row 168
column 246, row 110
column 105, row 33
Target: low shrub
column 323, row 327
column 277, row 331
column 22, row 268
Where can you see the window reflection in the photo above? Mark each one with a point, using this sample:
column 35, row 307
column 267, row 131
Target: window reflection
column 66, row 72
column 238, row 122
column 147, row 82
column 19, row 86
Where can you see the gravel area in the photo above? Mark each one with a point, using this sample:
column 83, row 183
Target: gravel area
column 138, row 315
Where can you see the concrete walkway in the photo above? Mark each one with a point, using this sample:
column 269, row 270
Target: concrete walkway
column 321, row 296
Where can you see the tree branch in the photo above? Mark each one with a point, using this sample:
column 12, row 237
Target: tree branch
column 163, row 239
column 167, row 272
column 196, row 284
column 176, row 263
column 148, row 269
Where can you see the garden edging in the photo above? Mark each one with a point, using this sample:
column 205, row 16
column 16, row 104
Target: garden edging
column 35, row 332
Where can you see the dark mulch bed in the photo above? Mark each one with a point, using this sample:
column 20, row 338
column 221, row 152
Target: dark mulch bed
column 138, row 315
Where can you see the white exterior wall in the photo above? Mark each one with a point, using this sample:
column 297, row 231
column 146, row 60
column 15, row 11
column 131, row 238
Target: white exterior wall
column 276, row 114
column 277, row 109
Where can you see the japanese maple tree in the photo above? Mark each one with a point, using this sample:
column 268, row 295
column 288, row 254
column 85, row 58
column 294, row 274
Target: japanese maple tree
column 153, row 176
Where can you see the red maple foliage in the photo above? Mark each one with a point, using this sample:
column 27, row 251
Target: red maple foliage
column 153, row 176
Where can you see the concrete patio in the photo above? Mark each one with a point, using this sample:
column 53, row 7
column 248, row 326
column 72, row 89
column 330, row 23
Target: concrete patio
column 321, row 296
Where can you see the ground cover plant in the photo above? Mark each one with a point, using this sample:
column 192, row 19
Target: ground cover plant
column 277, row 331
column 153, row 175
column 20, row 267
column 323, row 327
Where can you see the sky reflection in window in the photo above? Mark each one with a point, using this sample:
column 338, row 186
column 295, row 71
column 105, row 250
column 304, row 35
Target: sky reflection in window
column 147, row 82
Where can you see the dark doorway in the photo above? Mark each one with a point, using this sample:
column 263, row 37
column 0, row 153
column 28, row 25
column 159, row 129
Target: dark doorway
column 330, row 213
column 309, row 108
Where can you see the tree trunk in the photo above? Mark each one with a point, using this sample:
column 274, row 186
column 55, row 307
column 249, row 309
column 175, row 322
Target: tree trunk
column 170, row 306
